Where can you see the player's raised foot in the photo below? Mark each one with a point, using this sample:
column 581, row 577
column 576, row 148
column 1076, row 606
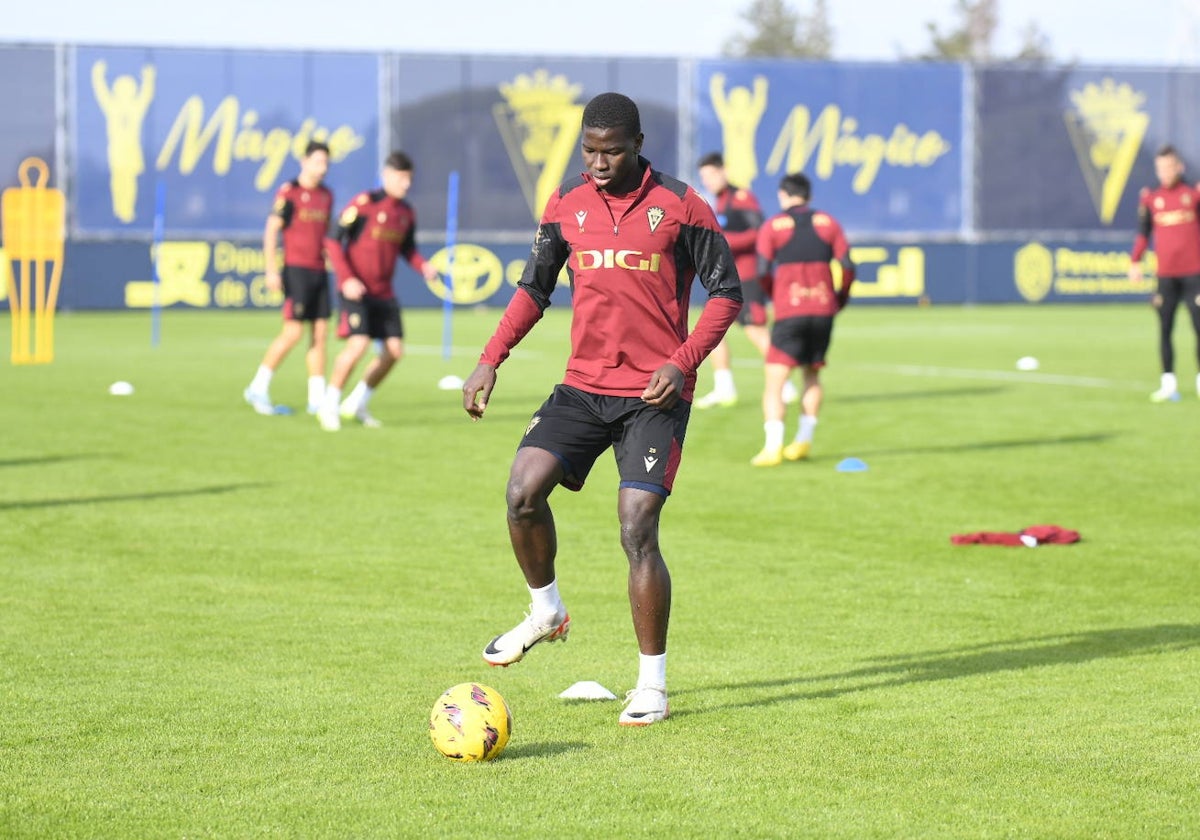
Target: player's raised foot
column 797, row 450
column 259, row 401
column 1163, row 395
column 771, row 456
column 717, row 399
column 644, row 706
column 328, row 417
column 512, row 646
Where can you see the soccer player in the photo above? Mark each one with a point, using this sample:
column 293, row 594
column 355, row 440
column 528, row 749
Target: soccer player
column 800, row 242
column 632, row 239
column 1168, row 213
column 374, row 230
column 739, row 215
column 301, row 212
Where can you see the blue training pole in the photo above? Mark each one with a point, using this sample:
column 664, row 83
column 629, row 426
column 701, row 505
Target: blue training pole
column 160, row 212
column 451, row 240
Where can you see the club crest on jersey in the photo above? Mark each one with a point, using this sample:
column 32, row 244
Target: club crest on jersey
column 381, row 218
column 654, row 215
column 580, row 216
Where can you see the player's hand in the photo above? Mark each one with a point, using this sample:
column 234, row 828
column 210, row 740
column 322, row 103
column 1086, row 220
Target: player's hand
column 843, row 298
column 477, row 390
column 665, row 388
column 1135, row 273
column 353, row 289
column 274, row 281
column 430, row 272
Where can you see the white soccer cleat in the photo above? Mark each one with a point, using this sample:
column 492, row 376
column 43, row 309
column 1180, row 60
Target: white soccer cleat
column 512, row 646
column 717, row 399
column 1163, row 395
column 644, row 706
column 328, row 417
column 259, row 401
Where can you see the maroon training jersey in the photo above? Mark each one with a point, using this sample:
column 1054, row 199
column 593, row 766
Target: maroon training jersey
column 1169, row 215
column 631, row 261
column 740, row 216
column 373, row 231
column 801, row 242
column 305, row 214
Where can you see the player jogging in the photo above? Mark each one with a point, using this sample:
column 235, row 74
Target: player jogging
column 800, row 242
column 632, row 240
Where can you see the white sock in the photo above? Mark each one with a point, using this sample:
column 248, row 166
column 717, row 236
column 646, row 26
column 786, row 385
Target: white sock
column 652, row 671
column 774, row 430
column 261, row 383
column 723, row 382
column 807, row 424
column 360, row 396
column 316, row 388
column 1168, row 383
column 333, row 396
column 547, row 601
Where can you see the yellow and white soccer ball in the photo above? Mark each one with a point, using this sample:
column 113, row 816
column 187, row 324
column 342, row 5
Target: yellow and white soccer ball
column 470, row 722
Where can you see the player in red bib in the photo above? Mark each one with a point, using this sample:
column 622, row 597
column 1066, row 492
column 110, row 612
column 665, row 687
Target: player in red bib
column 740, row 215
column 801, row 243
column 301, row 213
column 374, row 230
column 632, row 241
column 1168, row 214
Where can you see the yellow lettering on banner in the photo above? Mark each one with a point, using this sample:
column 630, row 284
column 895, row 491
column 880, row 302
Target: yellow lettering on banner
column 833, row 141
column 229, row 293
column 229, row 258
column 1076, row 272
column 905, row 278
column 236, row 135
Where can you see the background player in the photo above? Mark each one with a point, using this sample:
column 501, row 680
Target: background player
column 633, row 240
column 1168, row 213
column 301, row 212
column 739, row 214
column 374, row 230
column 800, row 242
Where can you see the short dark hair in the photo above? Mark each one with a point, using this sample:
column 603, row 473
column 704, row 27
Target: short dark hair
column 315, row 146
column 712, row 159
column 613, row 110
column 1167, row 151
column 400, row 161
column 796, row 184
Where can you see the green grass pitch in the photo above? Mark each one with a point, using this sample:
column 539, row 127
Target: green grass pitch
column 216, row 624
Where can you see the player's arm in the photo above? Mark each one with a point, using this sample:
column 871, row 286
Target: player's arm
column 350, row 225
column 1145, row 225
column 412, row 256
column 537, row 283
column 746, row 206
column 841, row 253
column 279, row 218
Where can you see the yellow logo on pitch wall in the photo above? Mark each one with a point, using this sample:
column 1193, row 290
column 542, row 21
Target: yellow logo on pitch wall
column 1038, row 270
column 1106, row 128
column 539, row 123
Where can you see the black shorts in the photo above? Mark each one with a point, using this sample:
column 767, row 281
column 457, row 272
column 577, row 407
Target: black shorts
column 577, row 426
column 305, row 294
column 754, row 304
column 373, row 317
column 803, row 340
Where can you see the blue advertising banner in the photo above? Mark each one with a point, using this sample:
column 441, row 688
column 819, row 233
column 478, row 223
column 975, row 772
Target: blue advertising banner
column 220, row 129
column 27, row 105
column 881, row 158
column 511, row 128
column 1068, row 149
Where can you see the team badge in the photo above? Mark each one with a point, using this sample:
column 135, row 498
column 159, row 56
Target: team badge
column 579, row 217
column 1159, row 203
column 355, row 319
column 381, row 218
column 304, row 196
column 655, row 215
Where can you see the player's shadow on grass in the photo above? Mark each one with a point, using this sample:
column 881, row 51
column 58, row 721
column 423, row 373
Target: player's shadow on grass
column 956, row 663
column 925, row 394
column 981, row 445
column 30, row 504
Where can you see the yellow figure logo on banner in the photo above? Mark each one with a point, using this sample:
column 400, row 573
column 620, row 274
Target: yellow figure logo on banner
column 1106, row 129
column 739, row 111
column 181, row 270
column 34, row 217
column 539, row 124
column 1033, row 271
column 124, row 105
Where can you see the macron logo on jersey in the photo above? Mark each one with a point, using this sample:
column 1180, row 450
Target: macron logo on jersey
column 579, row 217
